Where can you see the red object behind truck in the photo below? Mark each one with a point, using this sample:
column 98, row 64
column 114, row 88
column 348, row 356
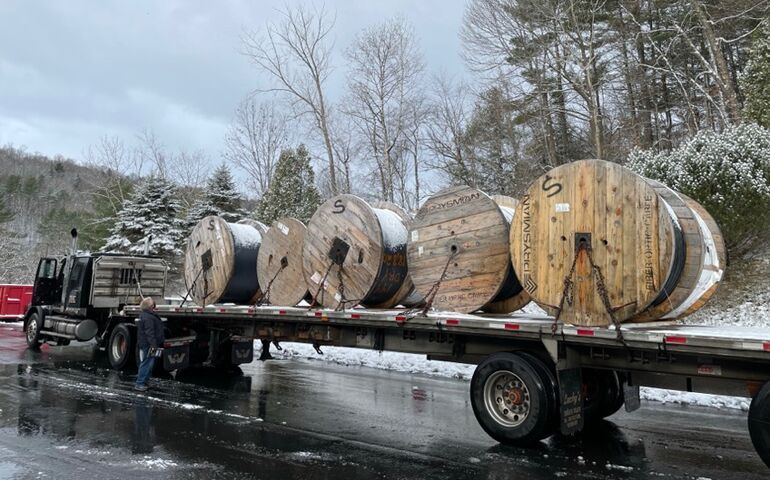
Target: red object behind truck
column 14, row 301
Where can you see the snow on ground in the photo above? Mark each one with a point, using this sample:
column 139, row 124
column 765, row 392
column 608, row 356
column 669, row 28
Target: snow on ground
column 418, row 364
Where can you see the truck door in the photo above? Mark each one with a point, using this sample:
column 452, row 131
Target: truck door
column 46, row 285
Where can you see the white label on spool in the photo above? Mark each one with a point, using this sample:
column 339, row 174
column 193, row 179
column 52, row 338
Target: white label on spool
column 415, row 235
column 337, row 297
column 562, row 207
column 284, row 229
column 419, row 251
column 316, row 278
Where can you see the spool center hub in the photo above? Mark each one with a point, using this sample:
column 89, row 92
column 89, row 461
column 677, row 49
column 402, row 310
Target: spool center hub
column 339, row 251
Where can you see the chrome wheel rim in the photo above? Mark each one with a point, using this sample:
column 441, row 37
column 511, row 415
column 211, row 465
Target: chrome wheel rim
column 32, row 329
column 119, row 346
column 507, row 398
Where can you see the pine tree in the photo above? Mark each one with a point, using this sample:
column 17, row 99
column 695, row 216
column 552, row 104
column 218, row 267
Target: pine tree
column 755, row 80
column 292, row 191
column 220, row 198
column 150, row 211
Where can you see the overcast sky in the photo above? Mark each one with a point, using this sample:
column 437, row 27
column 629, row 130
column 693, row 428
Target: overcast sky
column 72, row 71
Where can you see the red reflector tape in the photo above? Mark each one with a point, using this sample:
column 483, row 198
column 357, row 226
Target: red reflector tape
column 765, row 345
column 452, row 322
column 355, row 316
column 199, row 310
column 400, row 318
column 222, row 310
column 177, row 309
column 512, row 326
column 585, row 332
column 251, row 310
column 674, row 339
column 318, row 314
column 281, row 312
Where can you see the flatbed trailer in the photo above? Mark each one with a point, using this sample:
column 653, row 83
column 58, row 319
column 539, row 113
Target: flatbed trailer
column 533, row 377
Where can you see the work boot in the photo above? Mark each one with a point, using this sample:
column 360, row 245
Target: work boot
column 140, row 388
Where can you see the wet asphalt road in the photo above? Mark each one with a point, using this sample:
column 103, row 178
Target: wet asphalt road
column 65, row 415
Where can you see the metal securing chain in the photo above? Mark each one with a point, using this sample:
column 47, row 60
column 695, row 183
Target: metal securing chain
column 189, row 290
column 434, row 289
column 266, row 297
column 341, row 290
column 601, row 287
column 314, row 300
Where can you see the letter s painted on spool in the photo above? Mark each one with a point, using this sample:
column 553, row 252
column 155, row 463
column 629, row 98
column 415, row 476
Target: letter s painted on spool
column 547, row 187
column 211, row 224
column 339, row 207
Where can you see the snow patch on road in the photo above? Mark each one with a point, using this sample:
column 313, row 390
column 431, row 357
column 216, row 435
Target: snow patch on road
column 155, row 463
column 418, row 364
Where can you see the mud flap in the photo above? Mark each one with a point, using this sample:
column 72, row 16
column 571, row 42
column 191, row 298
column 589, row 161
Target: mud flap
column 242, row 352
column 631, row 395
column 571, row 400
column 176, row 358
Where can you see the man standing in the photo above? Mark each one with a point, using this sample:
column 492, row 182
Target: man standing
column 150, row 337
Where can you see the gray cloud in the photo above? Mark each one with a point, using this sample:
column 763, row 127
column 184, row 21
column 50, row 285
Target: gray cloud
column 73, row 71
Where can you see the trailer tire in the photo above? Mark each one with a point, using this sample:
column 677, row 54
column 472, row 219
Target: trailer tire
column 121, row 347
column 603, row 394
column 551, row 386
column 759, row 423
column 510, row 399
column 32, row 330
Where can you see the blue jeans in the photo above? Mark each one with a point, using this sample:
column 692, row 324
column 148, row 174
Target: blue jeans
column 145, row 367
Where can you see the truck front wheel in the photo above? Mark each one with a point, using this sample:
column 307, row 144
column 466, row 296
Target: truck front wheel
column 32, row 331
column 121, row 347
column 511, row 399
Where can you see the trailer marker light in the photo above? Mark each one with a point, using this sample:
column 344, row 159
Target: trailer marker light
column 585, row 332
column 512, row 326
column 675, row 339
column 452, row 321
column 400, row 318
column 766, row 346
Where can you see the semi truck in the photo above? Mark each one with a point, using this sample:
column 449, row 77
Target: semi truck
column 534, row 377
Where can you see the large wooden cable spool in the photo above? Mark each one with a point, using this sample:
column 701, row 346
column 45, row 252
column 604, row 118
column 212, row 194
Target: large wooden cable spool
column 354, row 253
column 279, row 264
column 462, row 233
column 221, row 262
column 630, row 231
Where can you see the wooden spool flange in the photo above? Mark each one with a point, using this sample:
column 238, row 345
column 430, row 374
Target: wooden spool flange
column 512, row 295
column 630, row 231
column 279, row 264
column 362, row 249
column 686, row 273
column 221, row 262
column 714, row 261
column 465, row 225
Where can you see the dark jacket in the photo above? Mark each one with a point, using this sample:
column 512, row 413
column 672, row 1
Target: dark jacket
column 150, row 330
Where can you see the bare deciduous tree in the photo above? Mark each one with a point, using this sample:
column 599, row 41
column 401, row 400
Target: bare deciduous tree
column 296, row 53
column 386, row 69
column 254, row 141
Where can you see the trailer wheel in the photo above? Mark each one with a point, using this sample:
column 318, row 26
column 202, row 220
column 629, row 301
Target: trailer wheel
column 759, row 423
column 32, row 331
column 510, row 399
column 121, row 347
column 551, row 386
column 603, row 394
